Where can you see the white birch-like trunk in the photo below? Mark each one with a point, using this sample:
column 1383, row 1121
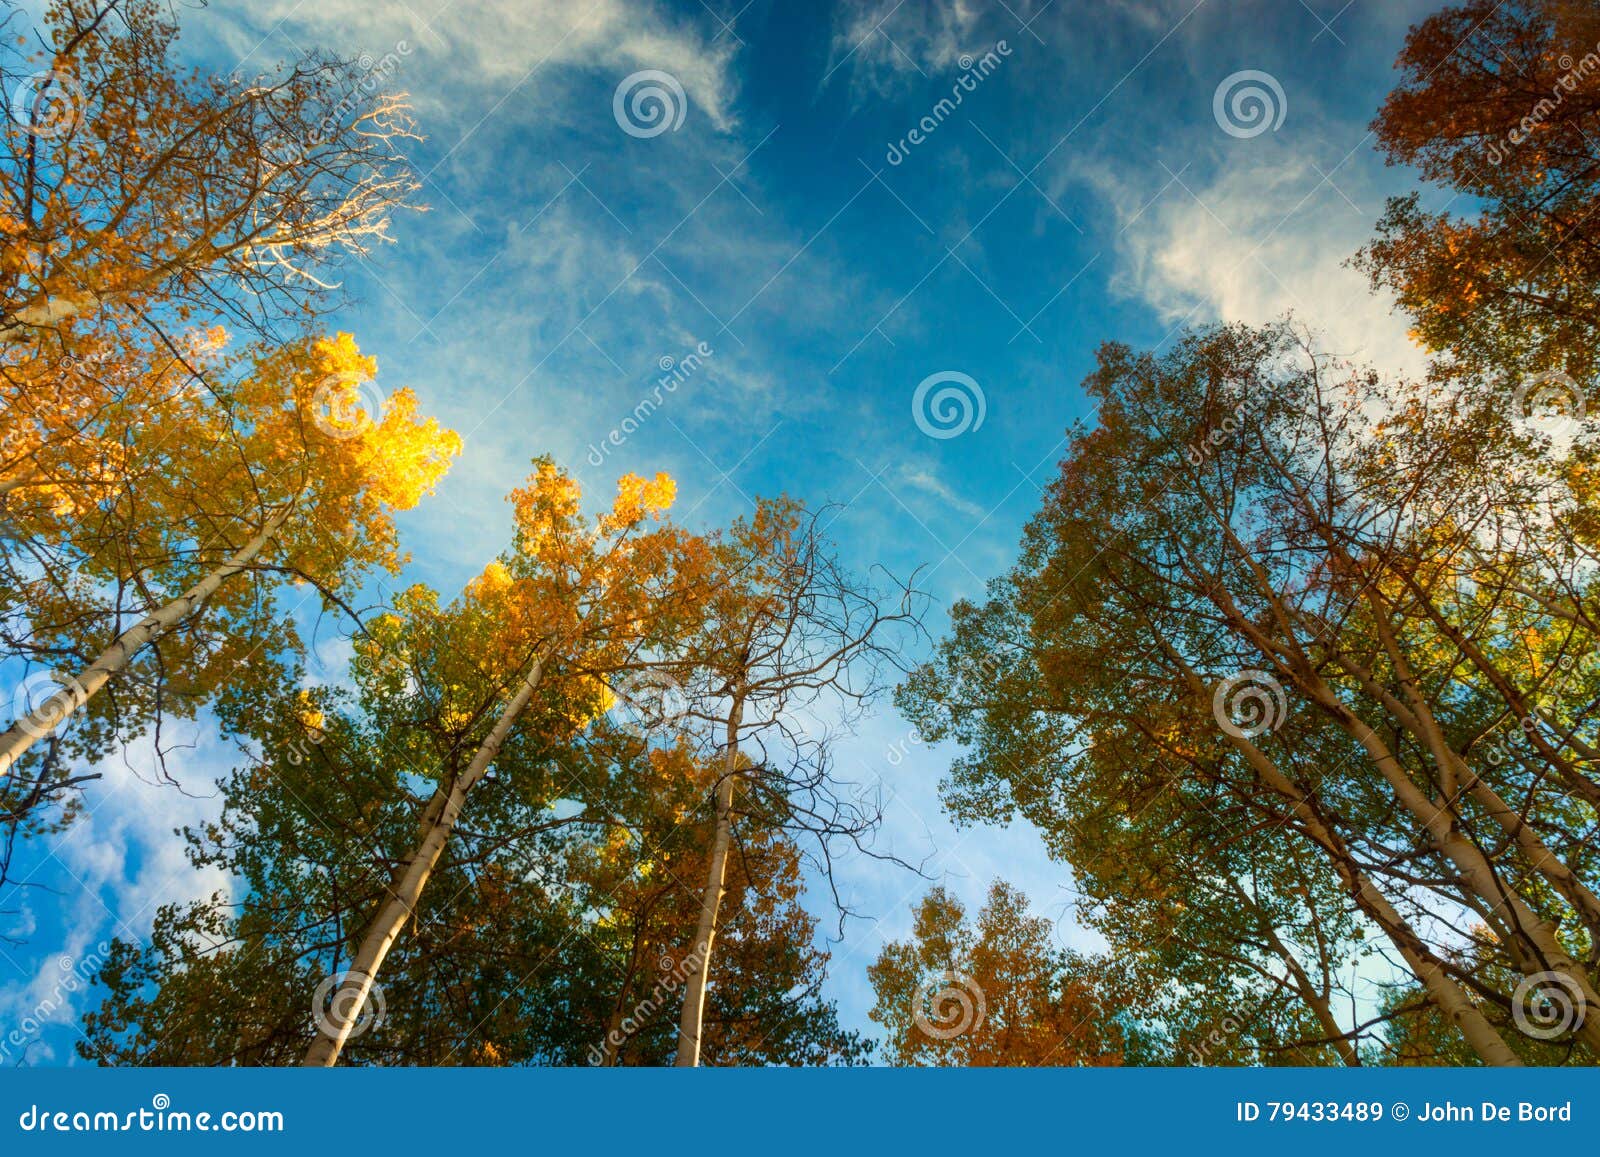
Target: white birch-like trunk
column 1522, row 923
column 1442, row 989
column 79, row 689
column 438, row 823
column 691, row 1022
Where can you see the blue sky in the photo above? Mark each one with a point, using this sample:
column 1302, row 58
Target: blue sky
column 1083, row 190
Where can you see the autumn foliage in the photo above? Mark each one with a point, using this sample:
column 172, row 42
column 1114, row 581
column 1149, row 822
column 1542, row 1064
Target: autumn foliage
column 1294, row 672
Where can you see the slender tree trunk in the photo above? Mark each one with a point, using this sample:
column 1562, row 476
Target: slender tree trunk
column 1445, row 993
column 22, row 734
column 438, row 824
column 1457, row 776
column 1531, row 940
column 1580, row 784
column 692, row 1021
column 1314, row 998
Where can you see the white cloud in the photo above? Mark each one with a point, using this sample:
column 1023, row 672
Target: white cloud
column 923, row 479
column 511, row 46
column 1266, row 234
column 110, row 872
column 882, row 42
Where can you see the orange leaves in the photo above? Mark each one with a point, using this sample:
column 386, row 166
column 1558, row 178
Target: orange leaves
column 997, row 993
column 638, row 499
column 581, row 596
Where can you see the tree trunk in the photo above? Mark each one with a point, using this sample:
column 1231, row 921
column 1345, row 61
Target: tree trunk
column 692, row 1021
column 438, row 824
column 1445, row 993
column 1313, row 997
column 1457, row 776
column 22, row 734
column 1530, row 940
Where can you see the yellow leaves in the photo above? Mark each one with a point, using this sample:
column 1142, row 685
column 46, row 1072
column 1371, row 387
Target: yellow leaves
column 310, row 716
column 550, row 495
column 494, row 581
column 638, row 499
column 409, row 455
